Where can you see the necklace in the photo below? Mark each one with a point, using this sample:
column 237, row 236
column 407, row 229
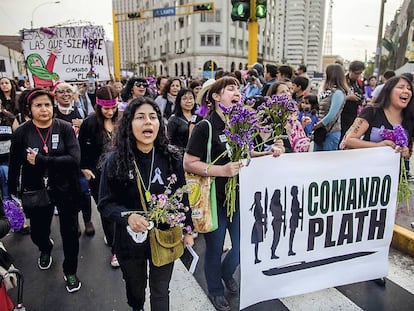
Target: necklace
column 44, row 139
column 147, row 189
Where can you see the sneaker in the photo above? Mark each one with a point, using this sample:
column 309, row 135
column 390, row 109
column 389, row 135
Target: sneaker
column 114, row 262
column 89, row 229
column 72, row 283
column 56, row 212
column 45, row 261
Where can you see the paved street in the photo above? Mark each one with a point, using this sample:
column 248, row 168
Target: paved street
column 103, row 287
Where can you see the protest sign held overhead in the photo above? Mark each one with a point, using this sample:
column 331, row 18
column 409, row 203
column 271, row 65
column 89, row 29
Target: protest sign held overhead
column 65, row 54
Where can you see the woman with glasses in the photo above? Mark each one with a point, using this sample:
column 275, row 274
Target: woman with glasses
column 184, row 113
column 66, row 110
column 134, row 88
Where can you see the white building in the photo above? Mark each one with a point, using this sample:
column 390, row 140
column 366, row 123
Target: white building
column 189, row 45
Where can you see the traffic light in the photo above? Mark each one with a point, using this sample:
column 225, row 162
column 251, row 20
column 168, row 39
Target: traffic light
column 134, row 15
column 208, row 6
column 240, row 10
column 261, row 8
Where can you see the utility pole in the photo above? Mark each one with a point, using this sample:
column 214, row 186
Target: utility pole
column 379, row 41
column 117, row 65
column 253, row 30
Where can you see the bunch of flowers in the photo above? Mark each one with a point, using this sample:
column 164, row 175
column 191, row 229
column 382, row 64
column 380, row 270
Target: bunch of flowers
column 14, row 213
column 167, row 207
column 152, row 86
column 242, row 127
column 399, row 136
column 274, row 112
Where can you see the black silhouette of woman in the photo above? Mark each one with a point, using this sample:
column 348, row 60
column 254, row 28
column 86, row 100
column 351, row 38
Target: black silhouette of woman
column 278, row 217
column 294, row 218
column 258, row 226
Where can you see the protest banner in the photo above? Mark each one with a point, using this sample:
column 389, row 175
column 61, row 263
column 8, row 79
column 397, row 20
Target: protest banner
column 65, row 54
column 315, row 220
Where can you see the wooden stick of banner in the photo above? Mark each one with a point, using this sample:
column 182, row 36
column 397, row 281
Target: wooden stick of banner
column 284, row 214
column 301, row 225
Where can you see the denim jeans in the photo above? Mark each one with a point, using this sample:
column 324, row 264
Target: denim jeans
column 85, row 199
column 331, row 142
column 215, row 270
column 4, row 171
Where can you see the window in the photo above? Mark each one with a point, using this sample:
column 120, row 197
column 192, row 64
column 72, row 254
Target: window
column 233, row 43
column 210, row 40
column 218, row 16
column 211, row 17
column 188, row 43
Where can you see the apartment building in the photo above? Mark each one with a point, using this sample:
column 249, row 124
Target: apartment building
column 197, row 44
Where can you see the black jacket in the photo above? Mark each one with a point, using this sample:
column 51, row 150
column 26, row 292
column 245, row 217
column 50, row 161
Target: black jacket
column 61, row 162
column 116, row 196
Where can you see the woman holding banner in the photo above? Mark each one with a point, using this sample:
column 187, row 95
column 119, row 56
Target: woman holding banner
column 225, row 91
column 394, row 106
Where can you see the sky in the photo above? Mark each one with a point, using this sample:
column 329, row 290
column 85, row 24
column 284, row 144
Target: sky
column 354, row 22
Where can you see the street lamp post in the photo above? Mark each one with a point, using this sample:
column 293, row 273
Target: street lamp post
column 34, row 10
column 379, row 41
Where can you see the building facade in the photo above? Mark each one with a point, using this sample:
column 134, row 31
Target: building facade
column 195, row 45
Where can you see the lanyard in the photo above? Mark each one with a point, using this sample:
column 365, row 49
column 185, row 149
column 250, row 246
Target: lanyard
column 44, row 139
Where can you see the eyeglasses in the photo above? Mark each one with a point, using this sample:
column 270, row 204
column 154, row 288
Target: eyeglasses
column 67, row 91
column 187, row 99
column 141, row 84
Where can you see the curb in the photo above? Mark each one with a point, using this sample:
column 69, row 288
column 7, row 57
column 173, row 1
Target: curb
column 403, row 240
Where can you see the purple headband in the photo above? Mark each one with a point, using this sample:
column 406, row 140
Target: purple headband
column 107, row 103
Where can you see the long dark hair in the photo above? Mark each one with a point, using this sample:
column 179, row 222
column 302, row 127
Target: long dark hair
column 106, row 92
column 125, row 142
column 178, row 110
column 10, row 105
column 384, row 99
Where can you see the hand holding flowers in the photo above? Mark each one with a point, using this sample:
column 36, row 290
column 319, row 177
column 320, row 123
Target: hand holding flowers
column 165, row 208
column 399, row 137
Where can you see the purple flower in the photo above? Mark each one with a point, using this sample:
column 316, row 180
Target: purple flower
column 14, row 213
column 398, row 135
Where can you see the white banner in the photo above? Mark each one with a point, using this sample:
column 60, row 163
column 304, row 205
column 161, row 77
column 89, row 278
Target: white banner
column 65, row 54
column 317, row 220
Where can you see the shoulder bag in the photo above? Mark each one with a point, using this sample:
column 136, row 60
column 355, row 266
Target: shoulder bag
column 202, row 196
column 166, row 245
column 35, row 199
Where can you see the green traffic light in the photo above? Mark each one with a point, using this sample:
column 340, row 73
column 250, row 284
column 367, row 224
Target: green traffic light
column 261, row 11
column 242, row 10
